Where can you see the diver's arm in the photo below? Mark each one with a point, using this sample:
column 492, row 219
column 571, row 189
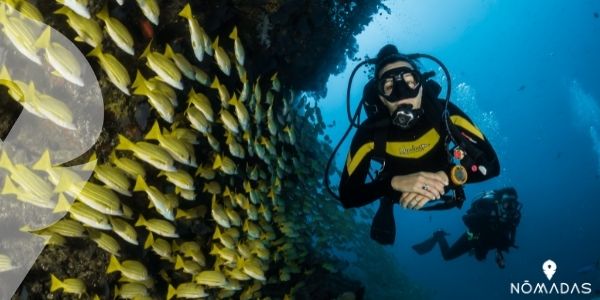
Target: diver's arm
column 354, row 192
column 481, row 160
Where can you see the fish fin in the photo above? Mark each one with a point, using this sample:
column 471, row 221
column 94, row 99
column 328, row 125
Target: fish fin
column 425, row 246
column 178, row 262
column 171, row 292
column 44, row 163
column 139, row 80
column 186, row 12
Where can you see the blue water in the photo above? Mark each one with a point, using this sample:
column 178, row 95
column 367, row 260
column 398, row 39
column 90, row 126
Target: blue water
column 527, row 73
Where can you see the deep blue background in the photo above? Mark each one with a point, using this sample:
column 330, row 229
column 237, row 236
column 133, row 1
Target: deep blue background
column 527, row 73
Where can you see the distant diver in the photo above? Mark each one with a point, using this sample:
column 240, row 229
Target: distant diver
column 424, row 146
column 491, row 224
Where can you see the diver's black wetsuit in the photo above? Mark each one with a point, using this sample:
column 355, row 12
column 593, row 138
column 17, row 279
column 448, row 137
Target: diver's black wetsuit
column 420, row 148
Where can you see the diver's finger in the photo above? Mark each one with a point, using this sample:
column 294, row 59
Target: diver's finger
column 426, row 189
column 406, row 201
column 422, row 203
column 435, row 176
column 414, row 204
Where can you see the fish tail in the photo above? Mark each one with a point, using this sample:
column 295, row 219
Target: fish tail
column 141, row 221
column 63, row 10
column 113, row 265
column 97, row 52
column 181, row 214
column 234, row 34
column 149, row 241
column 147, row 50
column 186, row 12
column 140, row 184
column 154, row 133
column 215, row 84
column 124, row 143
column 103, row 14
column 218, row 163
column 44, row 163
column 62, row 205
column 4, row 74
column 5, row 162
column 178, row 262
column 169, row 52
column 55, row 284
column 139, row 80
column 171, row 292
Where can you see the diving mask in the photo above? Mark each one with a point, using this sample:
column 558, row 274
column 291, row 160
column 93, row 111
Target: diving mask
column 399, row 83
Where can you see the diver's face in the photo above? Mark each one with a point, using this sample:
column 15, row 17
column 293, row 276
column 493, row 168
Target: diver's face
column 392, row 106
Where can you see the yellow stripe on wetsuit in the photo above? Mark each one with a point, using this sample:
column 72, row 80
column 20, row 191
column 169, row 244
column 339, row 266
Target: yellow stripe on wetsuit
column 412, row 149
column 465, row 124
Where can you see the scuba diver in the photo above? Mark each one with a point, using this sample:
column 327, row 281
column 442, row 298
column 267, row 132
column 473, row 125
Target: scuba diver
column 491, row 224
column 425, row 146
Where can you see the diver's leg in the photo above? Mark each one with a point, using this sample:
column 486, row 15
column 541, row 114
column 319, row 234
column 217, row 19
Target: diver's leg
column 460, row 247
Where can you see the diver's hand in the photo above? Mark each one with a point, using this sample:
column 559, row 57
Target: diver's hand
column 412, row 200
column 427, row 184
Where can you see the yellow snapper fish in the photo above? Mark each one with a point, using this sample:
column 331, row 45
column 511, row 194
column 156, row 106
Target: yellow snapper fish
column 117, row 31
column 186, row 135
column 201, row 76
column 179, row 178
column 49, row 107
column 163, row 67
column 124, row 230
column 225, row 164
column 132, row 290
column 132, row 168
column 129, row 268
column 159, row 246
column 157, row 84
column 61, row 59
column 202, row 103
column 229, row 121
column 78, row 6
column 206, row 172
column 223, row 92
column 15, row 89
column 234, row 147
column 150, row 153
column 212, row 187
column 27, row 9
column 6, row 263
column 159, row 101
column 192, row 250
column 74, row 286
column 112, row 177
column 150, row 9
column 225, row 239
column 175, row 147
column 240, row 54
column 163, row 205
column 222, row 58
column 211, row 278
column 197, row 120
column 188, row 290
column 116, row 72
column 218, row 213
column 88, row 30
column 25, row 196
column 105, row 241
column 67, row 228
column 227, row 254
column 89, row 216
column 95, row 196
column 275, row 84
column 181, row 62
column 158, row 226
column 252, row 267
column 241, row 112
column 187, row 266
column 213, row 142
column 20, row 33
column 28, row 180
column 197, row 34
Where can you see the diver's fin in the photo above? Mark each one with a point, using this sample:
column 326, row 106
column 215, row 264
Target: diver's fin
column 425, row 246
column 383, row 227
